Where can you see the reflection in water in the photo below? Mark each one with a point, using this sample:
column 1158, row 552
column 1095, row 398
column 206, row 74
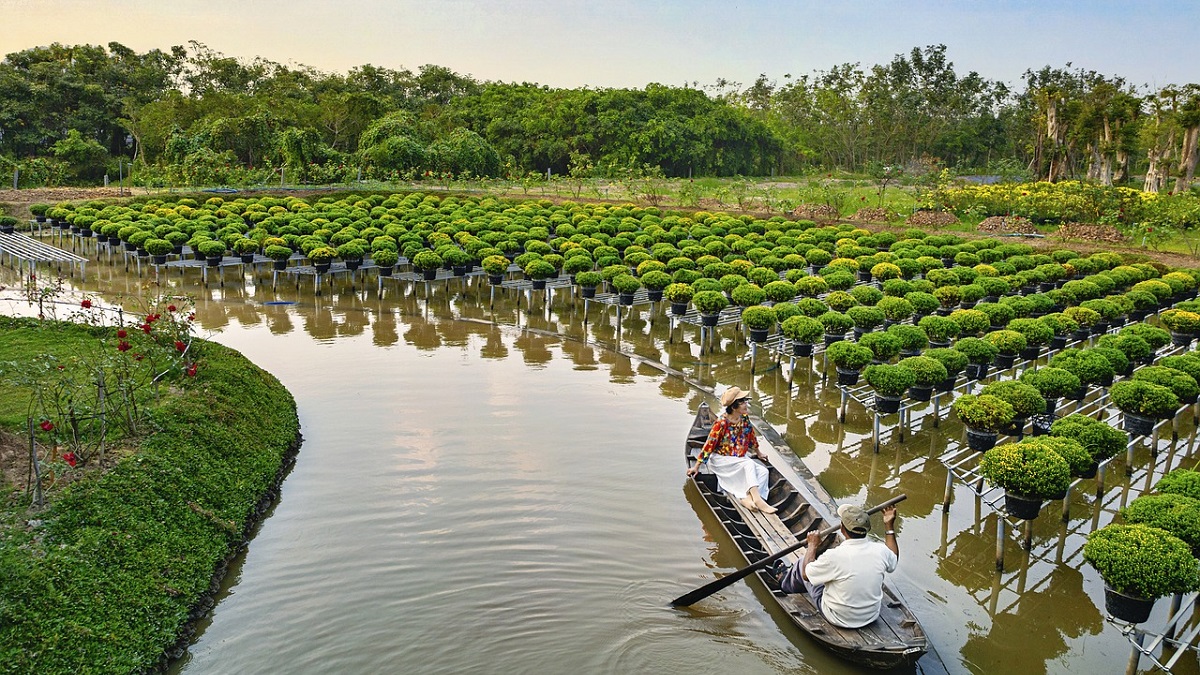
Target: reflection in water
column 538, row 487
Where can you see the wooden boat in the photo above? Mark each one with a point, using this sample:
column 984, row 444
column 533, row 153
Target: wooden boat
column 894, row 640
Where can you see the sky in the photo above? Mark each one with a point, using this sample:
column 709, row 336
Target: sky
column 631, row 43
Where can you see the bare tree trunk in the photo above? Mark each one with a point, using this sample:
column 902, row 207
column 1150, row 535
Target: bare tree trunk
column 1094, row 160
column 1052, row 134
column 1188, row 156
column 1121, row 172
column 1155, row 174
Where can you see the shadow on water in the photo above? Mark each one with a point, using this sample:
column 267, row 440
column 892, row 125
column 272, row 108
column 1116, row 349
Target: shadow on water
column 477, row 355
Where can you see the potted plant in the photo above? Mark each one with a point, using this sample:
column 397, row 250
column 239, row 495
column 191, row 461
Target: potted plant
column 385, row 260
column 655, row 281
column 923, row 303
column 461, row 262
column 1183, row 385
column 1099, row 439
column 953, row 361
column 759, row 320
column 1052, row 384
column 679, row 295
column 983, row 416
column 745, row 295
column 38, row 211
column 895, row 309
column 709, row 304
column 927, row 373
column 538, row 271
column 883, row 346
column 865, row 319
column 213, row 251
column 1062, row 325
column 1025, row 400
column 322, row 258
column 1007, row 344
column 889, row 383
column 279, row 254
column 780, row 291
column 849, row 359
column 940, row 330
column 971, row 322
column 427, row 263
column 912, row 339
column 840, row 301
column 158, row 249
column 979, row 353
column 1154, row 336
column 1029, row 472
column 246, row 247
column 836, row 324
column 587, row 281
column 1140, row 564
column 1133, row 347
column 947, row 297
column 1182, row 324
column 1087, row 365
column 1177, row 514
column 803, row 331
column 496, row 266
column 1036, row 333
column 625, row 285
column 1142, row 403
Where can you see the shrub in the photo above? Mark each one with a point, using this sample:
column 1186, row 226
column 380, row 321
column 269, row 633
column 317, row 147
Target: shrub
column 976, row 350
column 785, row 311
column 811, row 307
column 498, row 264
column 926, row 371
column 779, row 291
column 803, row 329
column 970, row 321
column 971, row 293
column 1097, row 438
column 1079, row 460
column 540, row 269
column 939, row 328
column 983, row 412
column 350, row 251
column 835, row 323
column 1087, row 365
column 849, row 356
column 1006, row 341
column 947, row 296
column 889, row 380
column 161, row 246
column 1145, row 398
column 840, row 301
column 678, row 293
column 213, row 249
column 385, row 257
column 1175, row 513
column 277, row 252
column 625, row 284
column 758, row 317
column 709, row 302
column 885, row 347
column 1029, row 469
column 1156, row 337
column 895, row 309
column 922, row 303
column 656, row 280
column 865, row 318
column 1025, row 399
column 1180, row 321
column 1052, row 382
column 1086, row 318
column 1036, row 332
column 912, row 338
column 590, row 279
column 884, row 271
column 866, row 295
column 425, row 260
column 1061, row 324
column 952, row 360
column 1142, row 561
column 1132, row 346
column 1183, row 385
column 811, row 286
column 998, row 314
column 1187, row 363
column 1181, row 482
column 1116, row 357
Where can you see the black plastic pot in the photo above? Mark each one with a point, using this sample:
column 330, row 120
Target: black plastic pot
column 322, row 267
column 1137, row 425
column 459, row 270
column 981, row 441
column 384, row 270
column 677, row 308
column 831, row 338
column 497, row 279
column 540, row 285
column 1030, row 353
column 279, row 264
column 947, row 384
column 653, row 295
column 802, row 349
column 977, row 371
column 846, row 377
column 1005, row 361
column 158, row 259
column 1127, row 608
column 429, row 275
column 921, row 393
column 709, row 320
column 625, row 298
column 1058, row 342
column 215, row 261
column 758, row 335
column 887, row 404
column 1020, row 506
column 1182, row 339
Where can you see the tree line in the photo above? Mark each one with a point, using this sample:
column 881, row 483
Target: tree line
column 68, row 113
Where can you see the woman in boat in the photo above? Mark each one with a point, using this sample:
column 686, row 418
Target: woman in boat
column 731, row 450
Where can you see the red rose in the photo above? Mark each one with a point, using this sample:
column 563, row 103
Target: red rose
column 137, row 357
column 123, row 346
column 170, row 308
column 70, row 458
column 191, row 370
column 121, row 333
column 192, row 316
column 86, row 304
column 180, row 346
column 145, row 328
column 1149, row 229
column 47, row 425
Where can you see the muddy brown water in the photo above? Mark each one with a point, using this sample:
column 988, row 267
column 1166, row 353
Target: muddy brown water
column 488, row 484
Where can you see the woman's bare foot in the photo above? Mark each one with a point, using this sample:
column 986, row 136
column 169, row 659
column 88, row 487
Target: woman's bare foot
column 749, row 503
column 762, row 503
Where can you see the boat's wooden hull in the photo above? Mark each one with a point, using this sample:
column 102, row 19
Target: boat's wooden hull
column 894, row 640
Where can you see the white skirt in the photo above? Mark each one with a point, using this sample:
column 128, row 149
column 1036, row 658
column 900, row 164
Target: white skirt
column 737, row 475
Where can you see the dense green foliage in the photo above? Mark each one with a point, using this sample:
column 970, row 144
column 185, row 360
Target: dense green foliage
column 106, row 580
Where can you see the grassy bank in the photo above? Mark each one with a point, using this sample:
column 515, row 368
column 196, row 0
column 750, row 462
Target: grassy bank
column 109, row 576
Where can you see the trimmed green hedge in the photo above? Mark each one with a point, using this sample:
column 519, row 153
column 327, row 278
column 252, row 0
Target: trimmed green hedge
column 110, row 578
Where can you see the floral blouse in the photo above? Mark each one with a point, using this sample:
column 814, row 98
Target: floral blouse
column 735, row 439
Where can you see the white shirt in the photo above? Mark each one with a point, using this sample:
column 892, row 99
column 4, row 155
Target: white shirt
column 853, row 575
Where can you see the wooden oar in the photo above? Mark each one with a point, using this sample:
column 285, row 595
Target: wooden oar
column 708, row 589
